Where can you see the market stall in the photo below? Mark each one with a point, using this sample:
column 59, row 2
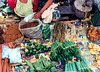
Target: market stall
column 68, row 44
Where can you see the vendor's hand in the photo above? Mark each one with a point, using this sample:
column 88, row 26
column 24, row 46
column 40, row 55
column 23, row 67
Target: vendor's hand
column 37, row 15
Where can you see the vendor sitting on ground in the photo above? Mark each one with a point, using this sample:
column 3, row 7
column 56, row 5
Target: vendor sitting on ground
column 24, row 8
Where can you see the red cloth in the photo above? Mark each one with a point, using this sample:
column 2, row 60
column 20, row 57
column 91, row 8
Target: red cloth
column 12, row 5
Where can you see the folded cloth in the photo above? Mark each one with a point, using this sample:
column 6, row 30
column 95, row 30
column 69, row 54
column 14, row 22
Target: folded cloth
column 47, row 14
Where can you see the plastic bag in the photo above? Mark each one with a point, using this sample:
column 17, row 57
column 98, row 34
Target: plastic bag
column 5, row 51
column 29, row 17
column 13, row 54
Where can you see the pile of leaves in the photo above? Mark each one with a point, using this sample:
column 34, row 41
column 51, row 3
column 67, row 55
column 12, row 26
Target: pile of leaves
column 41, row 65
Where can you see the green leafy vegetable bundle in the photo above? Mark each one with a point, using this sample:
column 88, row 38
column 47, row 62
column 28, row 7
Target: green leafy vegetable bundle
column 79, row 66
column 46, row 32
column 64, row 51
column 41, row 65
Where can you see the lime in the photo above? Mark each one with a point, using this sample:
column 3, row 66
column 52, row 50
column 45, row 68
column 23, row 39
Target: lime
column 37, row 52
column 37, row 48
column 34, row 50
column 33, row 43
column 45, row 49
column 33, row 46
column 44, row 46
column 36, row 56
column 41, row 47
column 27, row 47
column 27, row 41
column 36, row 45
column 31, row 51
column 28, row 54
column 30, row 44
column 41, row 51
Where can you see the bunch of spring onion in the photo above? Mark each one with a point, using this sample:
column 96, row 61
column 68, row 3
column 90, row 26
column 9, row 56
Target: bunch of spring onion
column 78, row 66
column 64, row 51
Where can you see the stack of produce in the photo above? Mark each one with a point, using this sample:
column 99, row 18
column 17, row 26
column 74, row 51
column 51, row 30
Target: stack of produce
column 80, row 65
column 46, row 32
column 12, row 33
column 68, row 52
column 34, row 48
column 1, row 38
column 41, row 65
column 64, row 51
column 93, row 33
column 59, row 32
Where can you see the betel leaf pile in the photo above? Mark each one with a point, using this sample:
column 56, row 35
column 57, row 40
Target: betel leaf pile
column 33, row 48
column 64, row 51
column 41, row 65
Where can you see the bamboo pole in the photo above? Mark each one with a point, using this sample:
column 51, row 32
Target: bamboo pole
column 8, row 70
column 6, row 66
column 0, row 58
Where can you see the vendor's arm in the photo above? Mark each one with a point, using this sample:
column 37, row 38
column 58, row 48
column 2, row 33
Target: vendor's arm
column 38, row 14
column 34, row 2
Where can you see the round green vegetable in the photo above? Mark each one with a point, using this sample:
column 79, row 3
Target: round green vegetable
column 44, row 46
column 36, row 56
column 37, row 52
column 27, row 41
column 27, row 47
column 31, row 51
column 36, row 45
column 33, row 46
column 30, row 44
column 29, row 54
column 33, row 43
column 41, row 47
column 37, row 48
column 45, row 49
column 41, row 51
column 34, row 50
